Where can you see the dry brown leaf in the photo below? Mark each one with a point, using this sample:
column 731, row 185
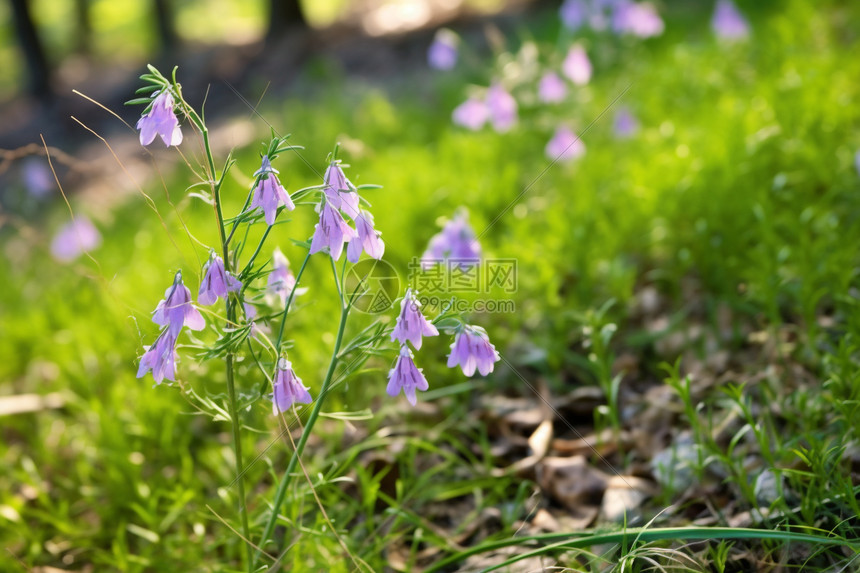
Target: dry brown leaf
column 573, row 483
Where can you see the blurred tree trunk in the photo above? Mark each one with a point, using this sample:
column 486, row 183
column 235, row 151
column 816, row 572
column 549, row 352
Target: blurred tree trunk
column 34, row 53
column 284, row 15
column 84, row 32
column 164, row 25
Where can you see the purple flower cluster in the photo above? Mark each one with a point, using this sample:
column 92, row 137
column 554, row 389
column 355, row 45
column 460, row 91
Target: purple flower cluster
column 160, row 120
column 471, row 350
column 442, row 53
column 565, row 146
column 622, row 16
column 341, row 197
column 173, row 312
column 455, row 242
column 270, row 194
column 498, row 107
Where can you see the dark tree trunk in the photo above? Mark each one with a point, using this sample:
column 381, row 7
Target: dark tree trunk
column 284, row 15
column 84, row 32
column 34, row 53
column 164, row 25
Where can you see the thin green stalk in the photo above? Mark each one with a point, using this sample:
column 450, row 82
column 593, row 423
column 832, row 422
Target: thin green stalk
column 231, row 319
column 309, row 425
column 280, row 338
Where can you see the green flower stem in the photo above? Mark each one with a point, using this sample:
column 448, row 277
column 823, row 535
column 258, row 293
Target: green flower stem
column 280, row 338
column 231, row 319
column 309, row 425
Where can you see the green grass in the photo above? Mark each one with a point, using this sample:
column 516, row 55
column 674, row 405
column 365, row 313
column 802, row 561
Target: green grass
column 741, row 183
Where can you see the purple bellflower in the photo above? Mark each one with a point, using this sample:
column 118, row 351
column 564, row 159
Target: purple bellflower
column 455, row 243
column 472, row 350
column 270, row 194
column 573, row 14
column 160, row 358
column 176, row 310
column 411, row 324
column 406, row 376
column 74, row 239
column 576, row 66
column 625, row 124
column 366, row 238
column 442, row 53
column 502, row 108
column 281, row 279
column 288, row 388
column 564, row 146
column 728, row 23
column 638, row 19
column 551, row 88
column 471, row 114
column 160, row 121
column 339, row 191
column 217, row 282
column 331, row 232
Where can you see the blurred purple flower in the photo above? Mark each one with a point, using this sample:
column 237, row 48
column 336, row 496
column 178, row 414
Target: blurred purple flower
column 637, row 18
column 217, row 282
column 471, row 114
column 411, row 324
column 176, row 310
column 75, row 238
column 38, row 179
column 288, row 388
column 502, row 108
column 442, row 53
column 625, row 124
column 576, row 65
column 160, row 358
column 339, row 191
column 728, row 23
column 406, row 376
column 269, row 193
column 472, row 350
column 455, row 242
column 551, row 88
column 564, row 146
column 160, row 121
column 574, row 14
column 331, row 232
column 281, row 280
column 366, row 238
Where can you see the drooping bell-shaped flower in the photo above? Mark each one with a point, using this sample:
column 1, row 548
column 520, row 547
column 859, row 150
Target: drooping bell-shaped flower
column 288, row 388
column 176, row 310
column 502, row 108
column 406, row 376
column 577, row 66
column 411, row 324
column 270, row 194
column 367, row 239
column 625, row 124
column 281, row 280
column 160, row 120
column 472, row 351
column 160, row 358
column 471, row 114
column 728, row 23
column 455, row 242
column 637, row 19
column 564, row 146
column 75, row 238
column 217, row 282
column 551, row 88
column 442, row 53
column 339, row 192
column 331, row 232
